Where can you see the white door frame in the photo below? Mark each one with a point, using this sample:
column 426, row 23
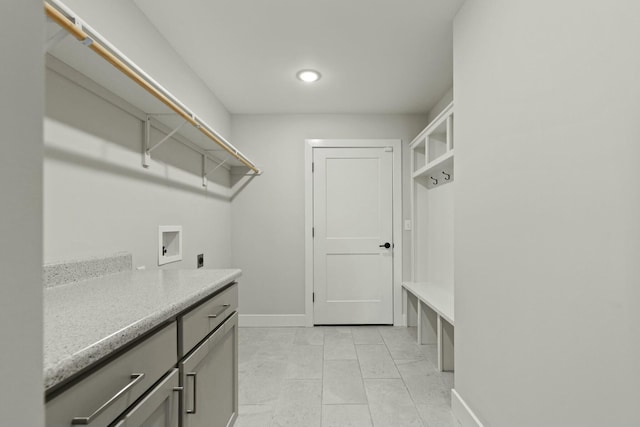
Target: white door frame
column 397, row 216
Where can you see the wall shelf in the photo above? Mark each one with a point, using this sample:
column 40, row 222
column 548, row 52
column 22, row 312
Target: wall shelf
column 128, row 81
column 432, row 151
column 437, row 172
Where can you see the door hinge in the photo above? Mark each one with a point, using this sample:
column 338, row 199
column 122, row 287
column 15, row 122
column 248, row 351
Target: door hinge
column 313, row 232
column 313, row 167
column 313, row 297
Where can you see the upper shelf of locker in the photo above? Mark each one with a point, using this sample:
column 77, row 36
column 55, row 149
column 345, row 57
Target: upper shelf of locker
column 432, row 151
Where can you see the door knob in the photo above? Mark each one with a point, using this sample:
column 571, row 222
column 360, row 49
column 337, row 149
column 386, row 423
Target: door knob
column 386, row 245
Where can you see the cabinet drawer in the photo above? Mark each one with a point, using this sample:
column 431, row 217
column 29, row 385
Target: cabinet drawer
column 203, row 319
column 101, row 397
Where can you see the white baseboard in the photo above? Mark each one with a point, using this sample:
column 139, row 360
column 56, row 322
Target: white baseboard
column 463, row 413
column 271, row 320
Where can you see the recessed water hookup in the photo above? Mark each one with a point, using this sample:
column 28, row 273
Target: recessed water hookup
column 169, row 244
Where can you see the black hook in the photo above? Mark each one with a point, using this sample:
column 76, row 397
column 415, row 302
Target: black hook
column 447, row 176
column 435, row 181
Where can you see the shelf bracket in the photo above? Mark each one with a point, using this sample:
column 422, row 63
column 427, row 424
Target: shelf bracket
column 248, row 174
column 146, row 155
column 206, row 172
column 55, row 39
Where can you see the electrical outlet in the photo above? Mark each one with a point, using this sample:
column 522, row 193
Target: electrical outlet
column 200, row 260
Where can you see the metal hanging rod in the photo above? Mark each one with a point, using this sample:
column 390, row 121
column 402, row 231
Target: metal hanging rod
column 66, row 19
column 161, row 114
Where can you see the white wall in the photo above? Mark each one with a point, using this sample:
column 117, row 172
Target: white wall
column 547, row 205
column 98, row 199
column 268, row 216
column 21, row 107
column 445, row 100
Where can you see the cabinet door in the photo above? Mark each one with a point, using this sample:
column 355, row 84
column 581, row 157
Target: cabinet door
column 210, row 379
column 160, row 408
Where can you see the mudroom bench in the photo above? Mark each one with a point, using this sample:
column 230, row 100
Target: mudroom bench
column 429, row 307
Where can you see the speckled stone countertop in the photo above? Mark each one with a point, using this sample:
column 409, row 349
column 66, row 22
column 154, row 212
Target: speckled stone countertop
column 86, row 321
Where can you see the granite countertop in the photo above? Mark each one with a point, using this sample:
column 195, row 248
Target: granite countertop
column 86, row 321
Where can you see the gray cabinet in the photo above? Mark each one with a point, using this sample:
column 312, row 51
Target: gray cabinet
column 184, row 374
column 210, row 379
column 201, row 320
column 160, row 407
column 99, row 398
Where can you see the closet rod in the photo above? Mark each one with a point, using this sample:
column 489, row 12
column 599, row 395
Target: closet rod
column 78, row 32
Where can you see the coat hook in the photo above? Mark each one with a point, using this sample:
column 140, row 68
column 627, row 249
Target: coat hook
column 447, row 176
column 435, row 181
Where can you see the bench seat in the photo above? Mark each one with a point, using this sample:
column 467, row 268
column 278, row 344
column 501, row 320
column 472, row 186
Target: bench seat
column 429, row 306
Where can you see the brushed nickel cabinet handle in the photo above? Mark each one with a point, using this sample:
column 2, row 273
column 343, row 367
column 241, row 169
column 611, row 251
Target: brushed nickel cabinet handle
column 222, row 310
column 135, row 378
column 195, row 392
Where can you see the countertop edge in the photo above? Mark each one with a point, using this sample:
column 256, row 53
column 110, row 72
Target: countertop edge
column 66, row 368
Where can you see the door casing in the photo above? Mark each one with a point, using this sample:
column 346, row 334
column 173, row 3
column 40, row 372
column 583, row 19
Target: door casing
column 397, row 216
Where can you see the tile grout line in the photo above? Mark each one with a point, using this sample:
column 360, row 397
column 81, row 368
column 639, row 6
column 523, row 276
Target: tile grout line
column 392, row 337
column 324, row 337
column 407, row 388
column 363, row 386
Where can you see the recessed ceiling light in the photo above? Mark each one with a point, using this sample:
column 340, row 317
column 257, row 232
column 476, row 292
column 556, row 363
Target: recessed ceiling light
column 308, row 76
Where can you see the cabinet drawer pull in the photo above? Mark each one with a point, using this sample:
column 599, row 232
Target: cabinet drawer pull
column 222, row 310
column 135, row 378
column 195, row 392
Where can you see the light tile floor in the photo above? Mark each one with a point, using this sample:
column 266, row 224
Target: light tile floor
column 361, row 376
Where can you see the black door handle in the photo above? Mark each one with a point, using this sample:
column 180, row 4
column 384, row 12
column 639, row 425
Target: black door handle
column 386, row 245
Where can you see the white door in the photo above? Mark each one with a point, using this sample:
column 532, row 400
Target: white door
column 353, row 222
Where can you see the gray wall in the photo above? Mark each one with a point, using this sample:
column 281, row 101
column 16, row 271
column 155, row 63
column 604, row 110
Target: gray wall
column 268, row 216
column 547, row 205
column 98, row 199
column 21, row 107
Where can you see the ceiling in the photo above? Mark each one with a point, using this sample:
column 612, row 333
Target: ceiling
column 375, row 56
